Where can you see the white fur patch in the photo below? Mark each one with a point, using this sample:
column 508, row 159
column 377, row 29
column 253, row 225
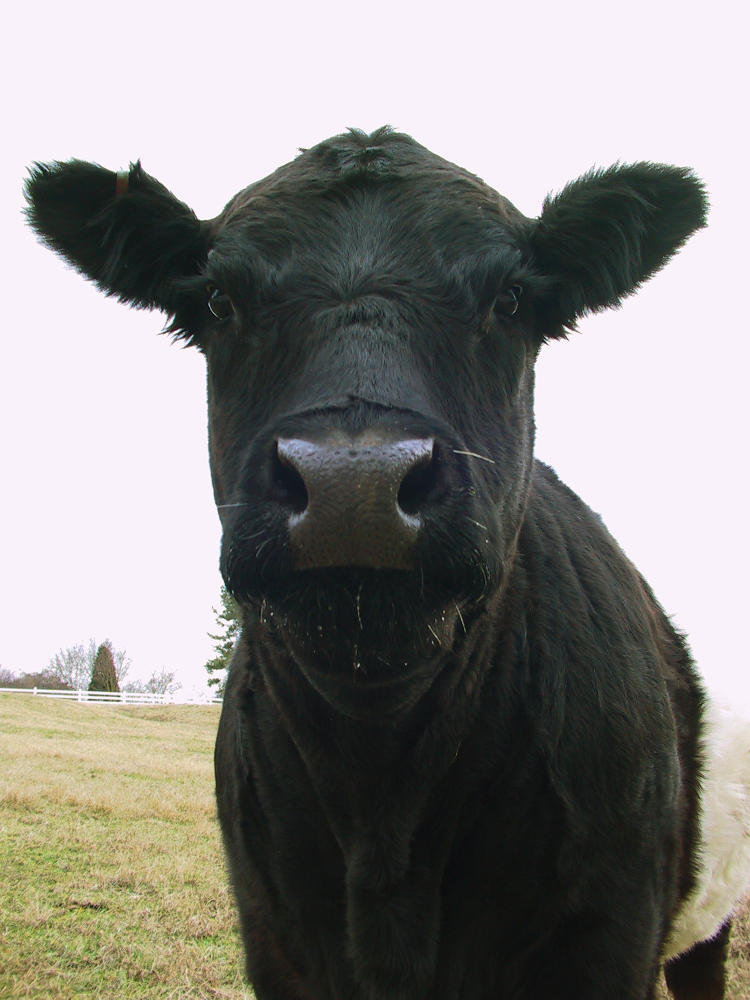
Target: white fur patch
column 723, row 877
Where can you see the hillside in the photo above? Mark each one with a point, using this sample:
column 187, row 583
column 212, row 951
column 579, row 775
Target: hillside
column 113, row 878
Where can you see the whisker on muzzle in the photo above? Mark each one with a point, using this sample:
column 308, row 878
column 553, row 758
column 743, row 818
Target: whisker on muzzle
column 473, row 454
column 460, row 617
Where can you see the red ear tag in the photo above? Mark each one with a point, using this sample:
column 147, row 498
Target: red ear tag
column 121, row 182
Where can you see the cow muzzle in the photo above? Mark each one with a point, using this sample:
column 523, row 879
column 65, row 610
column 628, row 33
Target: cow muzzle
column 355, row 500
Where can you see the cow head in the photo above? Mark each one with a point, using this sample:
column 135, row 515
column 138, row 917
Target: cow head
column 370, row 316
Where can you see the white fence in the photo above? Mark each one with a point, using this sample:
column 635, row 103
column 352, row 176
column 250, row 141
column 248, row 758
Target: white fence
column 115, row 697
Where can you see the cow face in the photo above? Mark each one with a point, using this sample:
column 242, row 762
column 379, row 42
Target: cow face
column 370, row 316
column 370, row 365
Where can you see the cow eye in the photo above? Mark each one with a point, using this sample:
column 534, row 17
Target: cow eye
column 506, row 304
column 219, row 303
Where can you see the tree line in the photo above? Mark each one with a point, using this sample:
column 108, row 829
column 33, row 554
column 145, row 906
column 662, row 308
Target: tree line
column 96, row 666
column 93, row 667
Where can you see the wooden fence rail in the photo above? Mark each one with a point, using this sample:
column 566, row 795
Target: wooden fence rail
column 114, row 697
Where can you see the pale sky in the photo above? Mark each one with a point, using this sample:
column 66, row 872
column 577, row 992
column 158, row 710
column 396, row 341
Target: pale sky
column 108, row 526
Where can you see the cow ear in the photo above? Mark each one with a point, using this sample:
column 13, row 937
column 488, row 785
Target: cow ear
column 607, row 232
column 125, row 231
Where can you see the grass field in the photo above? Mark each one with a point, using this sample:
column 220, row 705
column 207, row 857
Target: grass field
column 112, row 880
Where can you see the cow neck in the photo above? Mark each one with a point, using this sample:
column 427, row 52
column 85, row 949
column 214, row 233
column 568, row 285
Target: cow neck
column 417, row 722
column 393, row 791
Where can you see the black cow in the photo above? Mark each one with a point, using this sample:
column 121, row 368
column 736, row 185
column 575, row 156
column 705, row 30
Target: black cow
column 459, row 754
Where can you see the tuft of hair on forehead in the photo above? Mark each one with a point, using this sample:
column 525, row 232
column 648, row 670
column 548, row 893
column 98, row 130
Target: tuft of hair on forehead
column 355, row 152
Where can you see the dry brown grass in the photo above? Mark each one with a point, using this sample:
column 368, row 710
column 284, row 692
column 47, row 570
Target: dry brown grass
column 113, row 881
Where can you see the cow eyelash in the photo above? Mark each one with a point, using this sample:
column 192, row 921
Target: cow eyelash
column 219, row 303
column 505, row 305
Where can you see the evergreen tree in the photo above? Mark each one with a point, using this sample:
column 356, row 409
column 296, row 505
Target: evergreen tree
column 104, row 675
column 74, row 667
column 228, row 622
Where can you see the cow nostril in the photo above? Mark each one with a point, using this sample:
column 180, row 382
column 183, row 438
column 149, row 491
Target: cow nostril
column 289, row 486
column 419, row 484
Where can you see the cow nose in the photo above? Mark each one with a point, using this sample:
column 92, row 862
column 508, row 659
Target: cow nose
column 357, row 502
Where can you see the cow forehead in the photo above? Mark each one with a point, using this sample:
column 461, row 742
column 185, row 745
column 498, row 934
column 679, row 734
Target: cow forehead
column 389, row 165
